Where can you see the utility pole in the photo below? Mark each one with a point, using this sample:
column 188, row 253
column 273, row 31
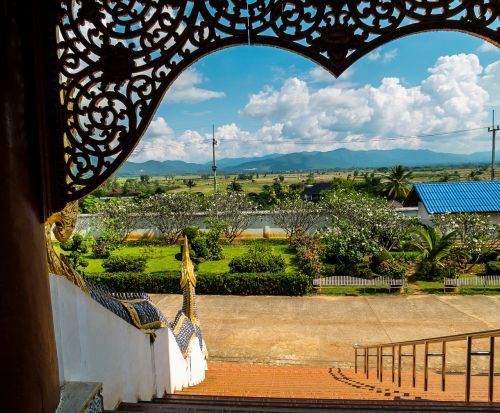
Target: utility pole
column 214, row 166
column 493, row 131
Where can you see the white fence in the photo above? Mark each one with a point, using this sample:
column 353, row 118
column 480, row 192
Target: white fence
column 344, row 281
column 484, row 281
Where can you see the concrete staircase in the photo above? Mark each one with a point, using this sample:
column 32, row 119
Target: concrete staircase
column 242, row 388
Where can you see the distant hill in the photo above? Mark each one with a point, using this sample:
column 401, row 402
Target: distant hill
column 161, row 168
column 157, row 168
column 308, row 161
column 347, row 159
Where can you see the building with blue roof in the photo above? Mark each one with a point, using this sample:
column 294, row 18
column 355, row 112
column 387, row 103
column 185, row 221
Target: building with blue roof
column 456, row 197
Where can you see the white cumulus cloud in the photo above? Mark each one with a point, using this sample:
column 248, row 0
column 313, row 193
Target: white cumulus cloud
column 487, row 47
column 186, row 88
column 315, row 114
column 454, row 96
column 385, row 57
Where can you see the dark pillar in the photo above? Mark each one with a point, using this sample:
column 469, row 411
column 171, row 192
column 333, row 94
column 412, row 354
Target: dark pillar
column 28, row 361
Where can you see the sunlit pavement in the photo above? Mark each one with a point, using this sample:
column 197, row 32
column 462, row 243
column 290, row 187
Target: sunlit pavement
column 319, row 331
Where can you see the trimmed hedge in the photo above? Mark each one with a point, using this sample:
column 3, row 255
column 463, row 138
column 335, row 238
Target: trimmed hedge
column 123, row 263
column 493, row 268
column 259, row 258
column 156, row 282
column 222, row 284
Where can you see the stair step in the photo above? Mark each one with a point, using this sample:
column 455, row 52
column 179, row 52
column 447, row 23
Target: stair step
column 242, row 388
column 207, row 404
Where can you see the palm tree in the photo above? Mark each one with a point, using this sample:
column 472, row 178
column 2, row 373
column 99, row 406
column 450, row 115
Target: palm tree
column 234, row 186
column 397, row 181
column 433, row 248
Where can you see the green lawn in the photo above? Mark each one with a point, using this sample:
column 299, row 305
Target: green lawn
column 429, row 287
column 162, row 258
column 479, row 290
column 354, row 291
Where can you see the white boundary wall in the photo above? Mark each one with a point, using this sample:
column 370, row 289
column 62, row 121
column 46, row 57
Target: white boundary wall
column 95, row 345
column 261, row 225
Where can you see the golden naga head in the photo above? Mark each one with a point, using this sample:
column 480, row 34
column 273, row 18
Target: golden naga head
column 187, row 268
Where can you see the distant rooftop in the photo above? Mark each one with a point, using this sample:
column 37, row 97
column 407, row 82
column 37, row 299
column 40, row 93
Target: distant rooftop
column 317, row 188
column 441, row 197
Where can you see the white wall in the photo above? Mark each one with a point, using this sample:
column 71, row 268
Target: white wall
column 95, row 345
column 261, row 220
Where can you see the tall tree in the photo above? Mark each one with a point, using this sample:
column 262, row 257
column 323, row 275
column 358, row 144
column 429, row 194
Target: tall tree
column 397, row 182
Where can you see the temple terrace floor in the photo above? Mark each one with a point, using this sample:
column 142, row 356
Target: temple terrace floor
column 319, row 331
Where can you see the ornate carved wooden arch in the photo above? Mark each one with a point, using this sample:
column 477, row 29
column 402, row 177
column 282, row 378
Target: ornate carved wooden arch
column 118, row 57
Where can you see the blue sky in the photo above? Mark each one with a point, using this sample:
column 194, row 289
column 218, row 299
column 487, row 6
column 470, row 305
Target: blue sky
column 264, row 100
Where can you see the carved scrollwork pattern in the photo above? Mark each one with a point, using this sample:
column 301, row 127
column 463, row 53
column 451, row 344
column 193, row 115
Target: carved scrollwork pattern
column 118, row 57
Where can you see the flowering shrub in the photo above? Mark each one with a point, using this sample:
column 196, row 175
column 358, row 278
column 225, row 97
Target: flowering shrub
column 309, row 252
column 374, row 218
column 347, row 246
column 394, row 268
column 309, row 260
column 475, row 234
column 115, row 219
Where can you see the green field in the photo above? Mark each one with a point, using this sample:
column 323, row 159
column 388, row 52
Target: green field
column 256, row 184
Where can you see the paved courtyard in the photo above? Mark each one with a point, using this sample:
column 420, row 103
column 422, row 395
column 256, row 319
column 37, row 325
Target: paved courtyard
column 319, row 331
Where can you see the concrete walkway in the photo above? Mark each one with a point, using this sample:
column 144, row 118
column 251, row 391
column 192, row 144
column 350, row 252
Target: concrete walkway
column 319, row 331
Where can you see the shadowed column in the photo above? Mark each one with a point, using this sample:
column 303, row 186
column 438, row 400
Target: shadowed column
column 28, row 357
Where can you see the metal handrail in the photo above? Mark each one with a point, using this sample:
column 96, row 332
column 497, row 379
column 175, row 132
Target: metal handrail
column 397, row 347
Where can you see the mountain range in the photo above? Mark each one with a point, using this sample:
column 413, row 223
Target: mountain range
column 307, row 161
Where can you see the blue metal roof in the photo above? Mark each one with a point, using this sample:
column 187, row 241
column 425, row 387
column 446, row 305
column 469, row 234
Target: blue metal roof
column 474, row 196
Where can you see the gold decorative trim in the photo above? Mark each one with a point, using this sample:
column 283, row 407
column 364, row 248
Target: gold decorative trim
column 188, row 283
column 62, row 225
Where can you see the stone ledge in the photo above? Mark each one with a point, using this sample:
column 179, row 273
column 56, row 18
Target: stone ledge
column 80, row 397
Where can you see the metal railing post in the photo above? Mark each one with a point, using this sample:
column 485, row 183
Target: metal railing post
column 426, row 365
column 379, row 354
column 392, row 358
column 367, row 362
column 468, row 369
column 399, row 365
column 378, row 362
column 443, row 367
column 414, row 366
column 491, row 373
column 355, row 359
column 381, row 362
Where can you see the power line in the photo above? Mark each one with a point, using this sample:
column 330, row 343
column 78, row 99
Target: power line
column 315, row 141
column 389, row 138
